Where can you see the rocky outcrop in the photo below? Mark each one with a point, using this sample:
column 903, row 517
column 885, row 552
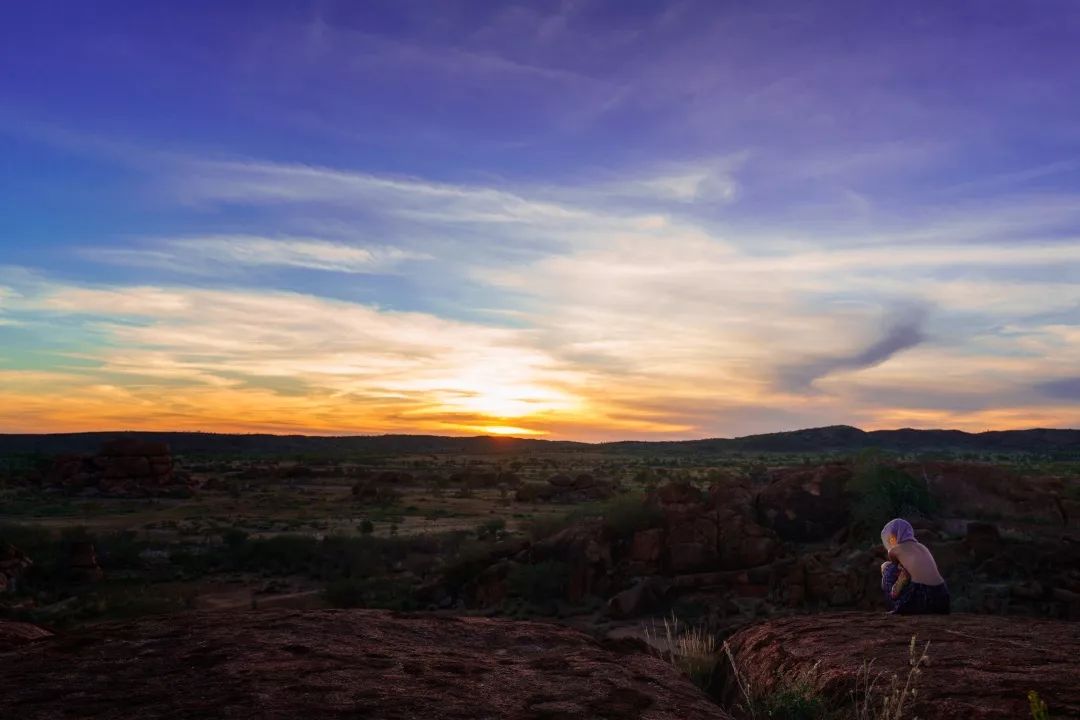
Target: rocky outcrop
column 83, row 564
column 14, row 634
column 124, row 467
column 348, row 663
column 806, row 504
column 714, row 531
column 13, row 564
column 585, row 550
column 980, row 667
column 975, row 490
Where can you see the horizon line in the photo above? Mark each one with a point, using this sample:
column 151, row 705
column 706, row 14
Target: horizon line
column 534, row 439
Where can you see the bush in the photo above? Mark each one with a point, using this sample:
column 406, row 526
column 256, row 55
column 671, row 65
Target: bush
column 380, row 593
column 622, row 514
column 885, row 492
column 692, row 651
column 794, row 702
column 491, row 529
column 367, row 527
column 541, row 583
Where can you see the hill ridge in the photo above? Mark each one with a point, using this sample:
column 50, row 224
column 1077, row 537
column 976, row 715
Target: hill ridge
column 832, row 438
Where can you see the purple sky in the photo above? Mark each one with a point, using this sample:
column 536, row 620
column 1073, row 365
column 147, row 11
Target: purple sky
column 581, row 219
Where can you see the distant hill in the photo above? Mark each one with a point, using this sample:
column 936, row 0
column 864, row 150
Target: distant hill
column 834, row 439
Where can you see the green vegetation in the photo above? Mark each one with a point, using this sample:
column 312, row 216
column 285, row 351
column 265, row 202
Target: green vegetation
column 622, row 514
column 1039, row 711
column 541, row 583
column 884, row 492
column 693, row 651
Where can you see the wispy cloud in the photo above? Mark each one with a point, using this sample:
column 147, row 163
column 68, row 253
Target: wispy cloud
column 216, row 254
column 901, row 332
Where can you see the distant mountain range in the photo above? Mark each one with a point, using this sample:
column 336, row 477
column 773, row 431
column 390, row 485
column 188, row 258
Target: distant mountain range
column 834, row 439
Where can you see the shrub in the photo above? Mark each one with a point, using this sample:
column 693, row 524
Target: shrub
column 491, row 528
column 234, row 537
column 367, row 527
column 885, row 492
column 872, row 704
column 541, row 583
column 1039, row 711
column 693, row 651
column 622, row 514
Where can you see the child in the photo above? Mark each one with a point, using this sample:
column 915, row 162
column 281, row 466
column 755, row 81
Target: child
column 910, row 579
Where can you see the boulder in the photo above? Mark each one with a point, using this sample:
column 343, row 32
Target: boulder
column 13, row 634
column 13, row 564
column 647, row 596
column 646, row 551
column 561, row 481
column 123, row 467
column 585, row 548
column 982, row 539
column 714, row 531
column 534, row 492
column 83, row 562
column 806, row 504
column 978, row 490
column 981, row 667
column 284, row 664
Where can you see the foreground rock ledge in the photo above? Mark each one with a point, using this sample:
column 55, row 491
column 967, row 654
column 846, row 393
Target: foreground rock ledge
column 340, row 664
column 980, row 667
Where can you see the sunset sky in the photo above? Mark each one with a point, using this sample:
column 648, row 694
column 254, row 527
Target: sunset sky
column 589, row 220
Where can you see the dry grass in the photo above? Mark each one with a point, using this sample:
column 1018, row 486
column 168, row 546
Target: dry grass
column 693, row 650
column 877, row 695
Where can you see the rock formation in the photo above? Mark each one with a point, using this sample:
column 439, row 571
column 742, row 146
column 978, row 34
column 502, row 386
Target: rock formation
column 980, row 667
column 123, row 467
column 13, row 563
column 14, row 634
column 349, row 663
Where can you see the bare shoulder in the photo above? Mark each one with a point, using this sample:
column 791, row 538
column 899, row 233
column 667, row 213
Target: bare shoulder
column 906, row 550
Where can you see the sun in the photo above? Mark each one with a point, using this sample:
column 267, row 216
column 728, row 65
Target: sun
column 509, row 430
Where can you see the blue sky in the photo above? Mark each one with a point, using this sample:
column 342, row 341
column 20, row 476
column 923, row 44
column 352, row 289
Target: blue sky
column 577, row 219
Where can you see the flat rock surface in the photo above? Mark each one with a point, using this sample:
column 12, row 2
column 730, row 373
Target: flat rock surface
column 340, row 664
column 13, row 634
column 980, row 666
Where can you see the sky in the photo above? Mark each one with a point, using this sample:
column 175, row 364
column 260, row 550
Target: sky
column 589, row 219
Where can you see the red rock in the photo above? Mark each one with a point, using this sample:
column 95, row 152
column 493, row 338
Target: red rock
column 13, row 563
column 586, row 549
column 647, row 596
column 531, row 492
column 561, row 481
column 981, row 667
column 971, row 490
column 127, row 467
column 679, row 493
column 13, row 634
column 83, row 562
column 806, row 504
column 647, row 546
column 278, row 664
column 982, row 538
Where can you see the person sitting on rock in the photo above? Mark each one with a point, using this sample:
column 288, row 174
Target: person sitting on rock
column 910, row 579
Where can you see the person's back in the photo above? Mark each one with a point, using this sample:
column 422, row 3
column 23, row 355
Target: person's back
column 910, row 580
column 917, row 560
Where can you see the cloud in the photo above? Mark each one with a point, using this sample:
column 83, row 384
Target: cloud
column 904, row 330
column 1067, row 389
column 217, row 253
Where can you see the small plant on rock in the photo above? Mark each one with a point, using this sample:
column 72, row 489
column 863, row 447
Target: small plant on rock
column 692, row 651
column 1039, row 711
column 870, row 704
